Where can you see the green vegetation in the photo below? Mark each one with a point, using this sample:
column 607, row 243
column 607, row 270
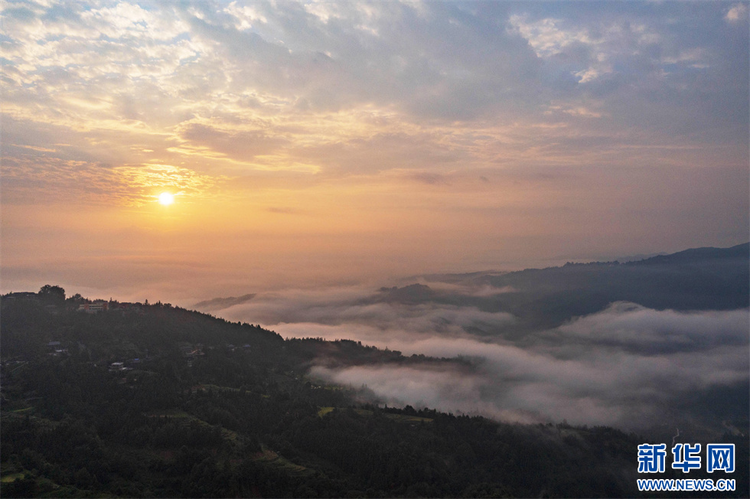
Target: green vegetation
column 12, row 477
column 325, row 410
column 159, row 401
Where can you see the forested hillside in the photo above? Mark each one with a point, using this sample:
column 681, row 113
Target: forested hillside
column 151, row 400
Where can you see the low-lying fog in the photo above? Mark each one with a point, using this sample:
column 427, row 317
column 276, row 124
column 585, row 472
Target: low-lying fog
column 625, row 365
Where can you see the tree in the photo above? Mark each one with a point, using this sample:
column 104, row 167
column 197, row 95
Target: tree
column 77, row 298
column 52, row 293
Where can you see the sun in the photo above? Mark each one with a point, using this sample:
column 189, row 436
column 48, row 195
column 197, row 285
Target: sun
column 166, row 198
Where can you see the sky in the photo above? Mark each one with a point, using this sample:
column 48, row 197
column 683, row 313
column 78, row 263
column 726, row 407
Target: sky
column 323, row 144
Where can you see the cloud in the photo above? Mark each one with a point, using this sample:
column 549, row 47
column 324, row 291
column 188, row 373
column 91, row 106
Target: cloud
column 737, row 13
column 585, row 384
column 648, row 332
column 380, row 312
column 238, row 144
column 445, row 390
column 29, row 179
column 361, row 88
column 626, row 365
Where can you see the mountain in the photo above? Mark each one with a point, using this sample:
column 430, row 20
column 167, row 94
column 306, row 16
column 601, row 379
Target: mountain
column 143, row 400
column 701, row 255
column 690, row 280
column 216, row 304
column 695, row 279
column 158, row 401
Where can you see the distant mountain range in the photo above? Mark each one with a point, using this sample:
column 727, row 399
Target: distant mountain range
column 694, row 279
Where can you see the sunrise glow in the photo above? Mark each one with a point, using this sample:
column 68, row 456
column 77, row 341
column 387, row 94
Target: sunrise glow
column 323, row 142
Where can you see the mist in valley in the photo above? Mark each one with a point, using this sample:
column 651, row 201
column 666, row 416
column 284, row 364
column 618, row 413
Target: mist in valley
column 631, row 363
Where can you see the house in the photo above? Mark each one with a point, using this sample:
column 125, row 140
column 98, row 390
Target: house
column 93, row 308
column 125, row 307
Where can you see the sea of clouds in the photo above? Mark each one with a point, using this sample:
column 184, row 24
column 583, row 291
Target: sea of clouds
column 626, row 365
